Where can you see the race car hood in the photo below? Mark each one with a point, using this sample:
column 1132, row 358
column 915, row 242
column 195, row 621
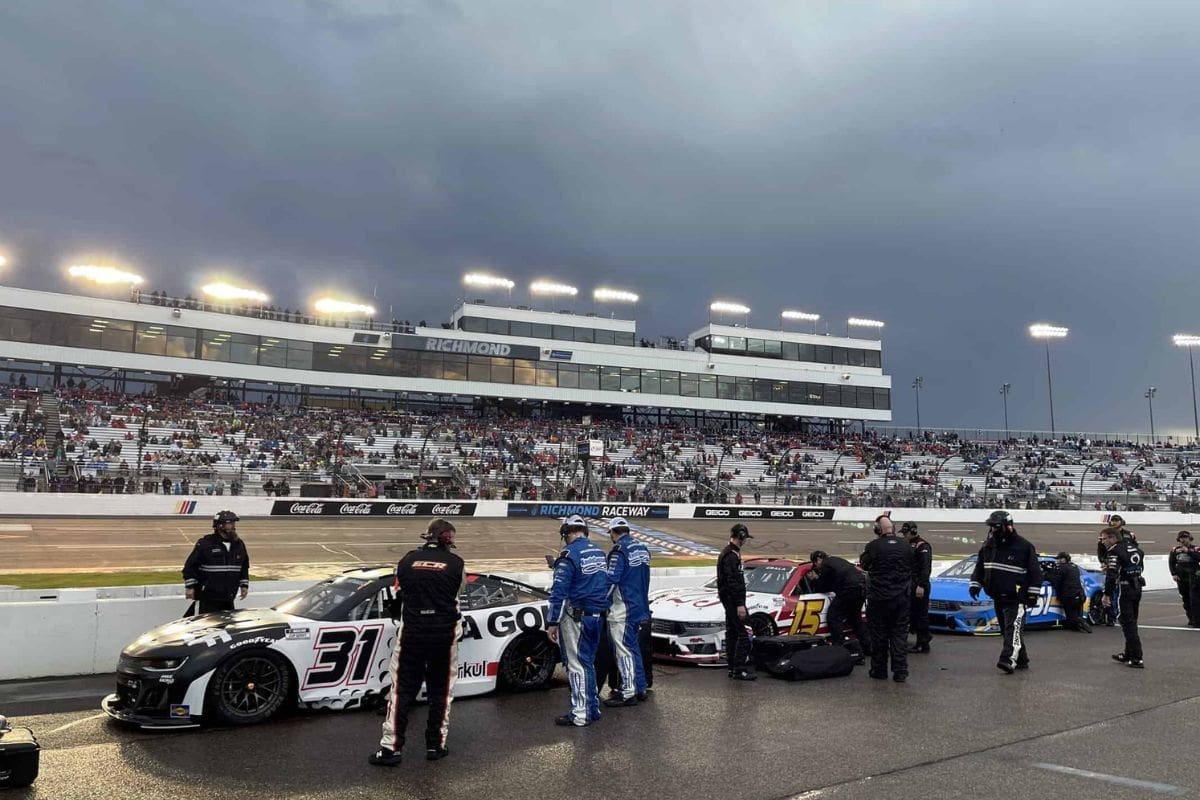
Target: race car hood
column 703, row 605
column 957, row 589
column 211, row 628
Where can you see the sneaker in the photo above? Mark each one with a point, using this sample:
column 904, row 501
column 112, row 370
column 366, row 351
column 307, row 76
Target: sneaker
column 1005, row 667
column 919, row 648
column 568, row 719
column 618, row 701
column 1136, row 663
column 436, row 753
column 614, row 695
column 743, row 675
column 900, row 677
column 643, row 697
column 384, row 758
column 1023, row 666
column 1121, row 657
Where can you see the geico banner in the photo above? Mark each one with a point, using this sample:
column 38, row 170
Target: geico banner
column 761, row 512
column 592, row 510
column 369, row 508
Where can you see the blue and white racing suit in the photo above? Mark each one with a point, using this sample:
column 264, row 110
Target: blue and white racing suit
column 629, row 574
column 578, row 603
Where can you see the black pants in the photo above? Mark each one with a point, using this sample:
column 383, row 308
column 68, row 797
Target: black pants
column 737, row 641
column 887, row 619
column 1126, row 602
column 846, row 609
column 212, row 605
column 1188, row 587
column 918, row 617
column 606, row 664
column 421, row 657
column 1073, row 609
column 1011, row 618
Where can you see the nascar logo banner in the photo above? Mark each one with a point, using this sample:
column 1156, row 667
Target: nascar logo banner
column 761, row 512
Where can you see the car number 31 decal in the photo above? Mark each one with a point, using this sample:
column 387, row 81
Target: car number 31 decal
column 343, row 655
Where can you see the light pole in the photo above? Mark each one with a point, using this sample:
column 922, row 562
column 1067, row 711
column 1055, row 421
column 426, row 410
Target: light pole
column 1189, row 341
column 1150, row 397
column 1046, row 333
column 1005, row 388
column 917, row 383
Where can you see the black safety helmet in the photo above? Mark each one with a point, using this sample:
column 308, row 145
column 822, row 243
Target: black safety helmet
column 999, row 518
column 440, row 532
column 221, row 517
column 740, row 531
column 1116, row 521
column 909, row 528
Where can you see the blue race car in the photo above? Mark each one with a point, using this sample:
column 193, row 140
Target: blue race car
column 951, row 608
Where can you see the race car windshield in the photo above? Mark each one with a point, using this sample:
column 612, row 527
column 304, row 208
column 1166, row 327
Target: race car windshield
column 768, row 580
column 962, row 569
column 316, row 602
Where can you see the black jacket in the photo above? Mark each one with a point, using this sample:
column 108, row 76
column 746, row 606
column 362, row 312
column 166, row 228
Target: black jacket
column 839, row 576
column 428, row 582
column 1184, row 562
column 924, row 563
column 889, row 562
column 214, row 572
column 1123, row 567
column 1009, row 571
column 1066, row 581
column 731, row 580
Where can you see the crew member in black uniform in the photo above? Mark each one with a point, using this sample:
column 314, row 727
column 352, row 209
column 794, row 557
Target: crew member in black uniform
column 889, row 563
column 218, row 568
column 428, row 582
column 731, row 590
column 1123, row 591
column 1115, row 521
column 1009, row 571
column 849, row 586
column 918, row 610
column 1069, row 590
column 1183, row 563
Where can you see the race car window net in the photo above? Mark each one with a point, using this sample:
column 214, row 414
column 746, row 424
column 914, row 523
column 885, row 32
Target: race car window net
column 319, row 601
column 487, row 592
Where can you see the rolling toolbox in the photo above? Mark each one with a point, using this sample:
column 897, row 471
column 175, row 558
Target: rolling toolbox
column 18, row 756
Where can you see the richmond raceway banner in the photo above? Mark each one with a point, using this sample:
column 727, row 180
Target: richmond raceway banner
column 761, row 512
column 592, row 510
column 376, row 508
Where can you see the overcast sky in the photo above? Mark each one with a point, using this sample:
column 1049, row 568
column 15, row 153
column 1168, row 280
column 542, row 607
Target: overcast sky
column 958, row 170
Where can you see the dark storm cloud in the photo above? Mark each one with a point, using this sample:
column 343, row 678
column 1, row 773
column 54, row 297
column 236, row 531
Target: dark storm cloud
column 959, row 170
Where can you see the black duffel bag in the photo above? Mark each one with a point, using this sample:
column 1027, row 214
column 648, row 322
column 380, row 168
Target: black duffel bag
column 18, row 756
column 769, row 649
column 813, row 664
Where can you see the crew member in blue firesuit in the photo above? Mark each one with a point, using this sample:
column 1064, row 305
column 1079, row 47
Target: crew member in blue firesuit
column 629, row 574
column 578, row 606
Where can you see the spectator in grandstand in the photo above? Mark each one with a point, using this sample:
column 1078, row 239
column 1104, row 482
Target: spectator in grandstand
column 218, row 568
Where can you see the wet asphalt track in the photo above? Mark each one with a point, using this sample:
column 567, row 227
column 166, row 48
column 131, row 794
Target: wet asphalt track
column 959, row 728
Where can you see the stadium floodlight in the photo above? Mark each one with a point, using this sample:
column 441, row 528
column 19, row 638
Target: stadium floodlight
column 330, row 305
column 552, row 288
column 3, row 261
column 800, row 315
column 614, row 296
column 220, row 290
column 1190, row 341
column 481, row 280
column 105, row 276
column 859, row 322
column 1046, row 332
column 728, row 307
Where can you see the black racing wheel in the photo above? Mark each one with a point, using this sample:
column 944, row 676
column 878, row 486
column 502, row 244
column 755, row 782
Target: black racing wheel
column 527, row 663
column 762, row 625
column 249, row 688
column 1096, row 611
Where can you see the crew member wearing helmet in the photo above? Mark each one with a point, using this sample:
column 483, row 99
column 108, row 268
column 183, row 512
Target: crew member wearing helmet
column 918, row 609
column 218, row 568
column 1009, row 571
column 1184, row 563
column 629, row 575
column 428, row 582
column 1068, row 588
column 889, row 562
column 578, row 604
column 731, row 590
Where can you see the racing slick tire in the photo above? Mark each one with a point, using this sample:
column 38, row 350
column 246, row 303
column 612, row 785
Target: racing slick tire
column 249, row 688
column 762, row 625
column 1095, row 612
column 527, row 663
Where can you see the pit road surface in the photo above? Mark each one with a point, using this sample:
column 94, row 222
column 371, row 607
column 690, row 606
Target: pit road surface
column 1075, row 725
column 312, row 548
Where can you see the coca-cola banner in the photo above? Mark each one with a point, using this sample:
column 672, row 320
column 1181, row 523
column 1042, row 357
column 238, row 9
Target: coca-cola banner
column 370, row 508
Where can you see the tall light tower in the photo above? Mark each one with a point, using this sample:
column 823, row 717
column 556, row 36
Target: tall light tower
column 1190, row 341
column 1005, row 388
column 1047, row 332
column 1150, row 397
column 917, row 383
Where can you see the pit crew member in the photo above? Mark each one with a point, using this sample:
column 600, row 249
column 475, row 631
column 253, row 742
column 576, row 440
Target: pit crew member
column 918, row 611
column 1123, row 591
column 889, row 565
column 731, row 591
column 629, row 575
column 218, row 568
column 1009, row 571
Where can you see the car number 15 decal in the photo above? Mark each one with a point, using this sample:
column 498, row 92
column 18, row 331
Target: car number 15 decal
column 344, row 654
column 808, row 617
